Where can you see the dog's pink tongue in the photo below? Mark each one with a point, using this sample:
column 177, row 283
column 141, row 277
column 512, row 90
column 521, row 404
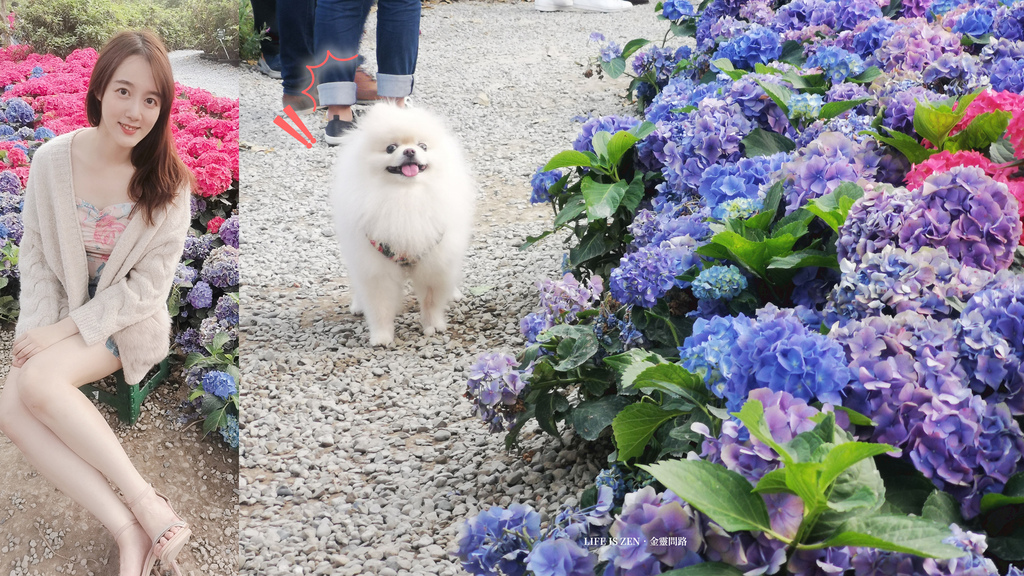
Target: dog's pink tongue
column 410, row 170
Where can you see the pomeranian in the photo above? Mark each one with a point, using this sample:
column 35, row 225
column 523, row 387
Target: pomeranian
column 403, row 209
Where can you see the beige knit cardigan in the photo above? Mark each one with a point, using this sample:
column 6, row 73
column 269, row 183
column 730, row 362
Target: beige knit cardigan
column 131, row 296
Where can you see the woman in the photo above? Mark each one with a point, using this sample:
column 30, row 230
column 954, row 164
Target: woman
column 106, row 213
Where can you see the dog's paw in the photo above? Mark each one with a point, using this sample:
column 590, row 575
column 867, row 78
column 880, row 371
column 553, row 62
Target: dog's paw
column 355, row 307
column 435, row 327
column 457, row 295
column 381, row 339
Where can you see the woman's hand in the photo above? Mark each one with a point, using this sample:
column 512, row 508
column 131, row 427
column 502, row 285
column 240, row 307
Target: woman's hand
column 38, row 339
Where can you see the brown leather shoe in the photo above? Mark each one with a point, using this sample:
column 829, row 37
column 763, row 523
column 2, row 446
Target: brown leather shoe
column 366, row 87
column 299, row 102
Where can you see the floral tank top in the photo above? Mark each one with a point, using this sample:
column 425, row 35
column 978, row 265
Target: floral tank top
column 100, row 231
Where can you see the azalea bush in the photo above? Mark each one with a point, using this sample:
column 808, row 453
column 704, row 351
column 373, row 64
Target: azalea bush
column 44, row 96
column 794, row 297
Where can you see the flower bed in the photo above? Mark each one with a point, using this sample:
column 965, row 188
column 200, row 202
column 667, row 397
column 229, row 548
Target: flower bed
column 44, row 96
column 796, row 302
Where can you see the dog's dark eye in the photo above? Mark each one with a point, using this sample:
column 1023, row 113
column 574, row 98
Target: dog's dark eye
column 392, row 148
column 424, row 146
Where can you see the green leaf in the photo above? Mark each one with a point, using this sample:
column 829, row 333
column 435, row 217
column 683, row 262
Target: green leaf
column 643, row 130
column 754, row 255
column 804, row 259
column 572, row 209
column 549, row 406
column 574, row 352
column 615, row 68
column 531, row 240
column 846, row 455
column 914, row 151
column 850, row 487
column 1013, row 493
column 778, row 93
column 634, row 426
column 762, row 142
column 726, row 67
column 793, row 53
column 774, row 482
column 632, row 46
column 706, row 569
column 1009, row 548
column 675, row 381
column 833, row 109
column 802, row 479
column 723, row 495
column 862, row 497
column 906, row 489
column 631, row 364
column 591, row 246
column 833, row 207
column 856, row 418
column 942, row 508
column 600, row 144
column 566, row 159
column 591, row 417
column 984, row 130
column 634, row 194
column 774, row 197
column 893, row 9
column 602, row 199
column 934, row 120
column 760, row 221
column 1001, row 151
column 618, row 145
column 866, row 76
column 905, row 534
column 752, row 416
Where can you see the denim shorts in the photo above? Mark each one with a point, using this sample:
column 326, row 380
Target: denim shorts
column 110, row 341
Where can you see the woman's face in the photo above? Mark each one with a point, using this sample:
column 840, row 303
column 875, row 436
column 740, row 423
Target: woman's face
column 130, row 104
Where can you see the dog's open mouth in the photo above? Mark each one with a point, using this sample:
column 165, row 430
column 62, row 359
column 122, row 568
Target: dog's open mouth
column 409, row 170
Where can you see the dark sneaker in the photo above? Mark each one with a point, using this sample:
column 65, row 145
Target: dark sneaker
column 336, row 128
column 271, row 66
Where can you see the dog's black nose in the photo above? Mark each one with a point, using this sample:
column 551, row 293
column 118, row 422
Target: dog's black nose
column 410, row 152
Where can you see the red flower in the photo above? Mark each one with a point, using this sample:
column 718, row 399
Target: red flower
column 213, row 226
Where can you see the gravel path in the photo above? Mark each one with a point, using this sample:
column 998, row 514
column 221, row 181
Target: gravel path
column 361, row 460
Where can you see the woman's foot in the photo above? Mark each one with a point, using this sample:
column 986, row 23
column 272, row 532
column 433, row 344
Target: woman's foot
column 156, row 515
column 133, row 544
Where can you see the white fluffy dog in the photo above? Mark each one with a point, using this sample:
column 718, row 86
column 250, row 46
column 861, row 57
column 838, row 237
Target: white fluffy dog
column 403, row 208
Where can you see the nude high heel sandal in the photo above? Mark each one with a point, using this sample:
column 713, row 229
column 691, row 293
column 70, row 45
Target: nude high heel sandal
column 169, row 553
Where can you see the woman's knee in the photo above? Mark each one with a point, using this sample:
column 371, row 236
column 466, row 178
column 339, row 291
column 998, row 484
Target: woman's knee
column 38, row 385
column 11, row 408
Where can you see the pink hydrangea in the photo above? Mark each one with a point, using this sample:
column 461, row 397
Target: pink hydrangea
column 213, row 226
column 1015, row 131
column 945, row 160
column 990, row 101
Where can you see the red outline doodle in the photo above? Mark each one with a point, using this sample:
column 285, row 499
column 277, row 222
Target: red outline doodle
column 312, row 77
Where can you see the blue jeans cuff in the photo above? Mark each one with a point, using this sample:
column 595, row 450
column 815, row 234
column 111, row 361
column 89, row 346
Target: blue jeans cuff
column 337, row 93
column 394, row 85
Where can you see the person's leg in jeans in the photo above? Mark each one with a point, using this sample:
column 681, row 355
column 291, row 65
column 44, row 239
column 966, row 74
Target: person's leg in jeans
column 295, row 28
column 338, row 29
column 398, row 41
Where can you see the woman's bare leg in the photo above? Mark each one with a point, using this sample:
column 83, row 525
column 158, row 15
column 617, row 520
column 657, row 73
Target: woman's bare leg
column 47, row 388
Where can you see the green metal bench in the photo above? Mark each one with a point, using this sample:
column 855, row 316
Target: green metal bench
column 127, row 399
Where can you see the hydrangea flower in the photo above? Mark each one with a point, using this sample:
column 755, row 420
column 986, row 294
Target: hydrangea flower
column 18, row 112
column 644, row 276
column 190, row 341
column 184, row 274
column 719, row 282
column 198, row 247
column 560, row 557
column 646, row 518
column 229, row 231
column 913, row 45
column 563, row 299
column 496, row 540
column 9, row 182
column 229, row 431
column 226, row 310
column 610, row 124
column 968, row 213
column 759, row 45
column 819, row 168
column 743, row 179
column 805, row 105
column 221, row 268
column 533, row 324
column 954, row 74
column 711, row 135
column 220, row 384
column 213, row 226
column 541, row 182
column 741, row 208
column 1007, row 74
column 201, row 295
column 609, row 52
column 992, row 347
column 494, row 386
column 677, row 9
column 836, row 63
column 873, row 222
column 945, row 160
column 43, row 133
column 976, row 22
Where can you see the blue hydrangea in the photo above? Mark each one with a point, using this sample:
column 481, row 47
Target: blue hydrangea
column 226, row 310
column 229, row 230
column 852, row 12
column 668, row 222
column 992, row 347
column 498, row 539
column 1007, row 74
column 15, row 229
column 743, row 179
column 9, row 183
column 221, row 267
column 541, row 182
column 609, row 52
column 229, row 431
column 741, row 208
column 718, row 283
column 824, row 164
column 610, row 124
column 533, row 324
column 201, row 295
column 707, row 351
column 220, row 384
column 184, row 274
column 18, row 112
column 645, row 276
column 6, row 131
column 872, row 37
column 612, row 478
column 677, row 9
column 760, row 45
column 657, row 64
column 560, row 557
column 805, row 105
column 837, row 63
column 1009, row 22
column 953, row 74
column 976, row 22
column 712, row 134
column 43, row 133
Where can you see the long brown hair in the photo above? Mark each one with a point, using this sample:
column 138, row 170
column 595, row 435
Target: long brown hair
column 159, row 172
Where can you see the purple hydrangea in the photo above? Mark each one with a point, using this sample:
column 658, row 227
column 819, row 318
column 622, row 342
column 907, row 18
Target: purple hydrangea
column 220, row 384
column 190, row 341
column 656, row 63
column 646, row 518
column 221, row 267
column 541, row 182
column 645, row 276
column 196, row 205
column 953, row 74
column 894, row 280
column 495, row 386
column 853, row 13
column 10, row 203
column 18, row 112
column 992, row 347
column 900, row 105
column 226, row 310
column 562, row 299
column 184, row 274
column 671, row 221
column 210, row 327
column 533, row 324
column 801, row 14
column 560, row 557
column 1007, row 74
column 820, row 167
column 969, row 214
column 609, row 52
column 1009, row 22
column 913, row 45
column 229, row 231
column 822, row 562
column 845, row 91
column 201, row 295
column 873, row 222
column 610, row 124
column 497, row 540
column 759, row 45
column 197, row 248
column 10, row 183
column 11, row 222
column 712, row 134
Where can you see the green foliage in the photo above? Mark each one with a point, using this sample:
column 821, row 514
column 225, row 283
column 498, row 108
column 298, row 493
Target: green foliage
column 213, row 409
column 9, row 306
column 248, row 37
